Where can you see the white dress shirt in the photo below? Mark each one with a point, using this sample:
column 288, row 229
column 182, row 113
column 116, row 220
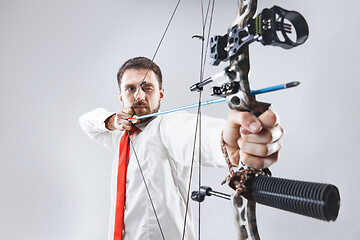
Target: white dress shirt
column 164, row 150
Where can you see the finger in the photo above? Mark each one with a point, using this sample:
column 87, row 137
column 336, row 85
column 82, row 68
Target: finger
column 125, row 125
column 269, row 119
column 258, row 149
column 267, row 135
column 122, row 115
column 126, row 128
column 246, row 120
column 258, row 162
column 127, row 110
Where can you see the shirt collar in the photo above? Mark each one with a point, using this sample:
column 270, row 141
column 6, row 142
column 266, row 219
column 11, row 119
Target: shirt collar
column 143, row 125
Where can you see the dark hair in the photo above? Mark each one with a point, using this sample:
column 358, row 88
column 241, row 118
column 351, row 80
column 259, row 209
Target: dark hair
column 140, row 63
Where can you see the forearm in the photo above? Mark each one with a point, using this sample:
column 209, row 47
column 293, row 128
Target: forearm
column 93, row 124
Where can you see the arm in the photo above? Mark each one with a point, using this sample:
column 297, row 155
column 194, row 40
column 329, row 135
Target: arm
column 178, row 132
column 94, row 125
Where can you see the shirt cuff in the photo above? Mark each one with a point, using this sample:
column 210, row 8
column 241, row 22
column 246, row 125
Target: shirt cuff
column 100, row 116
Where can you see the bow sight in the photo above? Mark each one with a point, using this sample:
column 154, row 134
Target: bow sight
column 271, row 27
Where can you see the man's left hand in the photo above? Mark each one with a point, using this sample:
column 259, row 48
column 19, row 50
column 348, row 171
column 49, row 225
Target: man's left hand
column 255, row 141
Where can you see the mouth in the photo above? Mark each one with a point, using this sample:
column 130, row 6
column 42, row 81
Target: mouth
column 141, row 104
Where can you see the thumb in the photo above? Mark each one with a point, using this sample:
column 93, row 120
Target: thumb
column 247, row 121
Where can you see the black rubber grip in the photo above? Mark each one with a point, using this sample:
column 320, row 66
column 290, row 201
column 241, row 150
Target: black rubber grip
column 317, row 200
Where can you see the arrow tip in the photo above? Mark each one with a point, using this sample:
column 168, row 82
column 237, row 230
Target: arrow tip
column 292, row 84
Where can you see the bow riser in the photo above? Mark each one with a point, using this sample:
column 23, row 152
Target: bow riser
column 234, row 47
column 243, row 100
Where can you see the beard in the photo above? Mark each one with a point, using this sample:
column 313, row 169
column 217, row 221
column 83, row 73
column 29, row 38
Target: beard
column 142, row 108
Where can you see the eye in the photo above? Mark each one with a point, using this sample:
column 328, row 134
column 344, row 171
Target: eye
column 130, row 89
column 147, row 88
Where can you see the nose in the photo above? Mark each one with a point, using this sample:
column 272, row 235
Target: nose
column 140, row 95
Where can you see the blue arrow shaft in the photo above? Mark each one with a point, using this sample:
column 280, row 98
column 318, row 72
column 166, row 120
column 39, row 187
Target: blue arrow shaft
column 217, row 100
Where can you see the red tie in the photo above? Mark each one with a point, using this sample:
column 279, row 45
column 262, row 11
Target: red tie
column 124, row 151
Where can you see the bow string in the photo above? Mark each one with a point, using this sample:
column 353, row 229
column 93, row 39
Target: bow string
column 128, row 132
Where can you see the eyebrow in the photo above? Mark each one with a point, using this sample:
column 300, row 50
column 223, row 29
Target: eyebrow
column 129, row 85
column 146, row 84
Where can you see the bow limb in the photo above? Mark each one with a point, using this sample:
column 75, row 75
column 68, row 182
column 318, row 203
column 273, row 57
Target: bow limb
column 246, row 10
column 245, row 218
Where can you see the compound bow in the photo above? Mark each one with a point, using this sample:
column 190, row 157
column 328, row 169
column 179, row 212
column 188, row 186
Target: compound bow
column 270, row 27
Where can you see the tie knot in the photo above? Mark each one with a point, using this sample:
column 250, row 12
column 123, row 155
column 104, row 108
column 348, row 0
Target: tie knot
column 134, row 128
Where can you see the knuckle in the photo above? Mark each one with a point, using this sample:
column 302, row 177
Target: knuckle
column 268, row 136
column 126, row 110
column 125, row 117
column 125, row 127
column 259, row 162
column 242, row 144
column 244, row 137
column 272, row 120
column 273, row 116
column 269, row 118
column 280, row 144
column 242, row 118
column 253, row 162
column 264, row 150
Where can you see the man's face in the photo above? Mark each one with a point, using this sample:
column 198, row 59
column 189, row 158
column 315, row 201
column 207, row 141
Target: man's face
column 147, row 98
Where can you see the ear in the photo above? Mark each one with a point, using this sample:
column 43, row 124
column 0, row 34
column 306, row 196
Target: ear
column 162, row 90
column 121, row 100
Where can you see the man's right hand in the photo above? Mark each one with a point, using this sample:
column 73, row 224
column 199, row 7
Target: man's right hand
column 119, row 121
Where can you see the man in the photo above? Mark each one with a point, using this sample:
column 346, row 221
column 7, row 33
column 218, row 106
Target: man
column 163, row 147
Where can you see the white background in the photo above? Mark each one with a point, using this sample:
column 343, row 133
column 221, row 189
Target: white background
column 58, row 59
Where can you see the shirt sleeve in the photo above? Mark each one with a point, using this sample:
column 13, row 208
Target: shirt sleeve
column 93, row 124
column 178, row 133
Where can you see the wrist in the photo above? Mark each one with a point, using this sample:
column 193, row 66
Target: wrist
column 109, row 122
column 231, row 155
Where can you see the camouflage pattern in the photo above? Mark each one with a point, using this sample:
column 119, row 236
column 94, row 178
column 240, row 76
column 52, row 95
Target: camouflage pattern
column 245, row 218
